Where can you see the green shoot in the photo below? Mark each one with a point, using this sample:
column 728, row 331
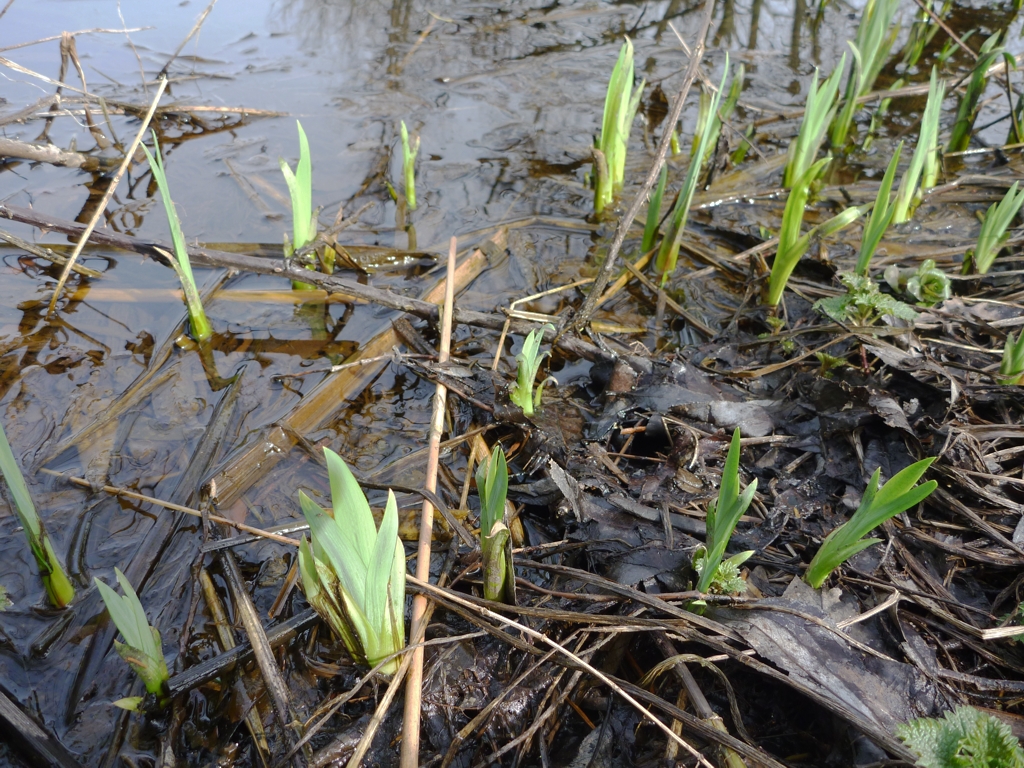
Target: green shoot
column 963, row 738
column 926, row 159
column 881, row 216
column 654, row 212
column 668, row 253
column 141, row 647
column 409, row 152
column 960, row 137
column 1011, row 369
column 201, row 328
column 875, row 37
column 876, row 506
column 923, row 30
column 793, row 245
column 994, row 232
column 495, row 541
column 927, row 284
column 58, row 586
column 300, row 188
column 529, row 360
column 863, row 303
column 821, row 106
column 354, row 574
column 707, row 134
column 721, row 521
column 620, row 105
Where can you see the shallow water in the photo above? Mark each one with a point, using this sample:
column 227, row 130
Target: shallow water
column 506, row 100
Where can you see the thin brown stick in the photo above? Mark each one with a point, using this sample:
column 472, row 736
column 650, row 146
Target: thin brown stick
column 189, row 36
column 590, row 305
column 411, row 723
column 106, row 198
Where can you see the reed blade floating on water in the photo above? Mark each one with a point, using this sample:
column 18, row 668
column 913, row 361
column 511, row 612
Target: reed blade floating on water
column 994, row 231
column 924, row 163
column 201, row 329
column 495, row 541
column 877, row 505
column 620, row 105
column 409, row 152
column 668, row 253
column 875, row 37
column 141, row 647
column 881, row 216
column 58, row 587
column 354, row 574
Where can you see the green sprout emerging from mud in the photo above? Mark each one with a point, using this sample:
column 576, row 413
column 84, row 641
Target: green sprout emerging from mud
column 881, row 216
column 668, row 253
column 58, row 586
column 200, row 326
column 877, row 505
column 875, row 37
column 620, row 105
column 723, row 515
column 300, row 189
column 994, row 231
column 354, row 574
column 409, row 152
column 530, row 359
column 925, row 162
column 1011, row 368
column 141, row 647
column 495, row 540
column 863, row 303
column 654, row 212
column 963, row 738
column 927, row 283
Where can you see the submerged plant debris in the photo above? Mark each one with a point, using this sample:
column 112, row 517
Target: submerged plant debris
column 832, row 346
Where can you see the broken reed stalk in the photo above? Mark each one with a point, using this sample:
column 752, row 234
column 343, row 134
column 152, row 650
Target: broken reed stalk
column 592, row 300
column 102, row 206
column 413, row 689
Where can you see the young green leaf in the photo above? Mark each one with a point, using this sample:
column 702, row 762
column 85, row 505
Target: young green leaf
column 58, row 587
column 881, row 216
column 654, row 212
column 962, row 738
column 495, row 544
column 994, row 231
column 897, row 495
column 925, row 159
column 529, row 360
column 620, row 105
column 723, row 515
column 202, row 331
column 1011, row 368
column 804, row 148
column 409, row 152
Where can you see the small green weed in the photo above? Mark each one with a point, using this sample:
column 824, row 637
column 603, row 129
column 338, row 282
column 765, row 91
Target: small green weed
column 994, row 231
column 354, row 574
column 963, row 738
column 141, row 647
column 620, row 105
column 201, row 329
column 721, row 522
column 863, row 303
column 495, row 541
column 927, row 284
column 529, row 359
column 876, row 506
column 58, row 587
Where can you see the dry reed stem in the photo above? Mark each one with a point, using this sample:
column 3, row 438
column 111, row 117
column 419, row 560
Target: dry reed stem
column 102, row 206
column 411, row 722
